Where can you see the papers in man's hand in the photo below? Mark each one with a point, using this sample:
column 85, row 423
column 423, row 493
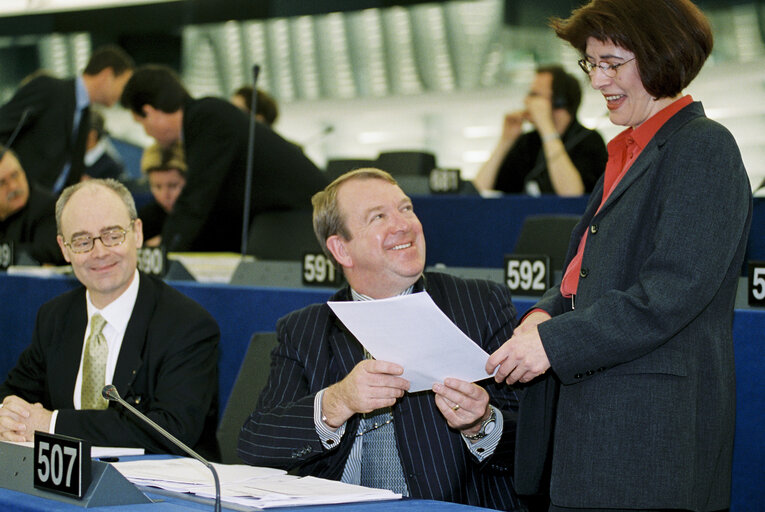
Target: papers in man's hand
column 249, row 486
column 411, row 331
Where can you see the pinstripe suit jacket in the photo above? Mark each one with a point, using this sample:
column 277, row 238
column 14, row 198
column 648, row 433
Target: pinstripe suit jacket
column 316, row 351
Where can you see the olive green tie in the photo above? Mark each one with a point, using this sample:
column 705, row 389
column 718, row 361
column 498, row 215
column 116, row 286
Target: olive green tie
column 94, row 366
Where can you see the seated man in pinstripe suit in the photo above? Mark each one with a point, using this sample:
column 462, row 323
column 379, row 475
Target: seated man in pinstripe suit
column 330, row 411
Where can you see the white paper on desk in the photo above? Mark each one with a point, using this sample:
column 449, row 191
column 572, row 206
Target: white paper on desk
column 411, row 331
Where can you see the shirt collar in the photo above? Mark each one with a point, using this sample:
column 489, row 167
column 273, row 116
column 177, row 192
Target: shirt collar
column 643, row 134
column 361, row 297
column 118, row 312
column 81, row 96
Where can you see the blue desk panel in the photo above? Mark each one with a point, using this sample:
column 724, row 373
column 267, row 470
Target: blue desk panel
column 471, row 231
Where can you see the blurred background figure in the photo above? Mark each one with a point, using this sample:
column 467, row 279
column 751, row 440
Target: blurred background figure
column 559, row 157
column 54, row 114
column 209, row 213
column 266, row 109
column 165, row 170
column 27, row 213
column 102, row 160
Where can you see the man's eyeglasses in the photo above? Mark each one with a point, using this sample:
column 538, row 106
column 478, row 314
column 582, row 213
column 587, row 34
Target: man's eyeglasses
column 111, row 237
column 609, row 70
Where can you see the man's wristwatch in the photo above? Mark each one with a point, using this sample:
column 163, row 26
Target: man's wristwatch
column 487, row 427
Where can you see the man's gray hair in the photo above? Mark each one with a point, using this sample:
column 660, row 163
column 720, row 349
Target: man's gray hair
column 112, row 184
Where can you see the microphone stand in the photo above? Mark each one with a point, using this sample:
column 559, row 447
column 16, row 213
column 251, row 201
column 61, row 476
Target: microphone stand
column 16, row 130
column 250, row 160
column 109, row 392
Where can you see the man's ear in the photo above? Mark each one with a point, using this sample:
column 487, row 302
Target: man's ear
column 336, row 245
column 61, row 246
column 138, row 233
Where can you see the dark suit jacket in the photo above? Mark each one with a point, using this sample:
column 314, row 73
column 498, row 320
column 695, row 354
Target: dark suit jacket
column 167, row 369
column 33, row 228
column 645, row 415
column 315, row 351
column 208, row 213
column 45, row 142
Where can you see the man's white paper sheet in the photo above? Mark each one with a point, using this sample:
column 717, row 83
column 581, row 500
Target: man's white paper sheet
column 411, row 331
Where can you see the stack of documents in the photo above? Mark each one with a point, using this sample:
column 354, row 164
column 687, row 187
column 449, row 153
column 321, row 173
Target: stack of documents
column 411, row 331
column 249, row 486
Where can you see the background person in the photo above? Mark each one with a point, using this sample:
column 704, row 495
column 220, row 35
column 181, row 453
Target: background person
column 639, row 332
column 53, row 114
column 208, row 213
column 27, row 213
column 559, row 157
column 266, row 109
column 165, row 169
column 330, row 411
column 102, row 160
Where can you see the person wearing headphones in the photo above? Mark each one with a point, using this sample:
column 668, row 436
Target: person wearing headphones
column 559, row 157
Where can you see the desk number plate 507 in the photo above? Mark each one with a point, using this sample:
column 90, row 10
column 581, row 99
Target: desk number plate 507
column 62, row 464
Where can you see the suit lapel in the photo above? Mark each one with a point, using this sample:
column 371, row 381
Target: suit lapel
column 131, row 353
column 68, row 353
column 651, row 152
column 347, row 351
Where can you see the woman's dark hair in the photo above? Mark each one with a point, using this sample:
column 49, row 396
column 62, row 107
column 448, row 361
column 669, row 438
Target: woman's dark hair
column 671, row 39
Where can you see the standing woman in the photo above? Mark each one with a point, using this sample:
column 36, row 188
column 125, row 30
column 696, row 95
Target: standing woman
column 637, row 408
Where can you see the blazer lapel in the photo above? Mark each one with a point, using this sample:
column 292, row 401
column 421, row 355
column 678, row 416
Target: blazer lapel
column 347, row 351
column 131, row 353
column 68, row 354
column 651, row 152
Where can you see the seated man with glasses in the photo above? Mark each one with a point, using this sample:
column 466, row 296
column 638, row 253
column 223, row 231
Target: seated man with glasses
column 158, row 347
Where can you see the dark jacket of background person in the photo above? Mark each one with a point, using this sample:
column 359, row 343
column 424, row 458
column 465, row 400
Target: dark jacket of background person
column 208, row 213
column 153, row 218
column 33, row 228
column 526, row 160
column 46, row 140
column 315, row 351
column 648, row 351
column 167, row 369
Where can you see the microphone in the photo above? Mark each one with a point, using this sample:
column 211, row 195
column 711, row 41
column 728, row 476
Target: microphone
column 250, row 158
column 109, row 392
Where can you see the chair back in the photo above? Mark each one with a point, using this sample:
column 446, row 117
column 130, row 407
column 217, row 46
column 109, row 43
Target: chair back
column 406, row 162
column 251, row 379
column 282, row 235
column 547, row 234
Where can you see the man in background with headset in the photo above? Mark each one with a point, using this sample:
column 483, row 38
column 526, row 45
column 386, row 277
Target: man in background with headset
column 559, row 157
